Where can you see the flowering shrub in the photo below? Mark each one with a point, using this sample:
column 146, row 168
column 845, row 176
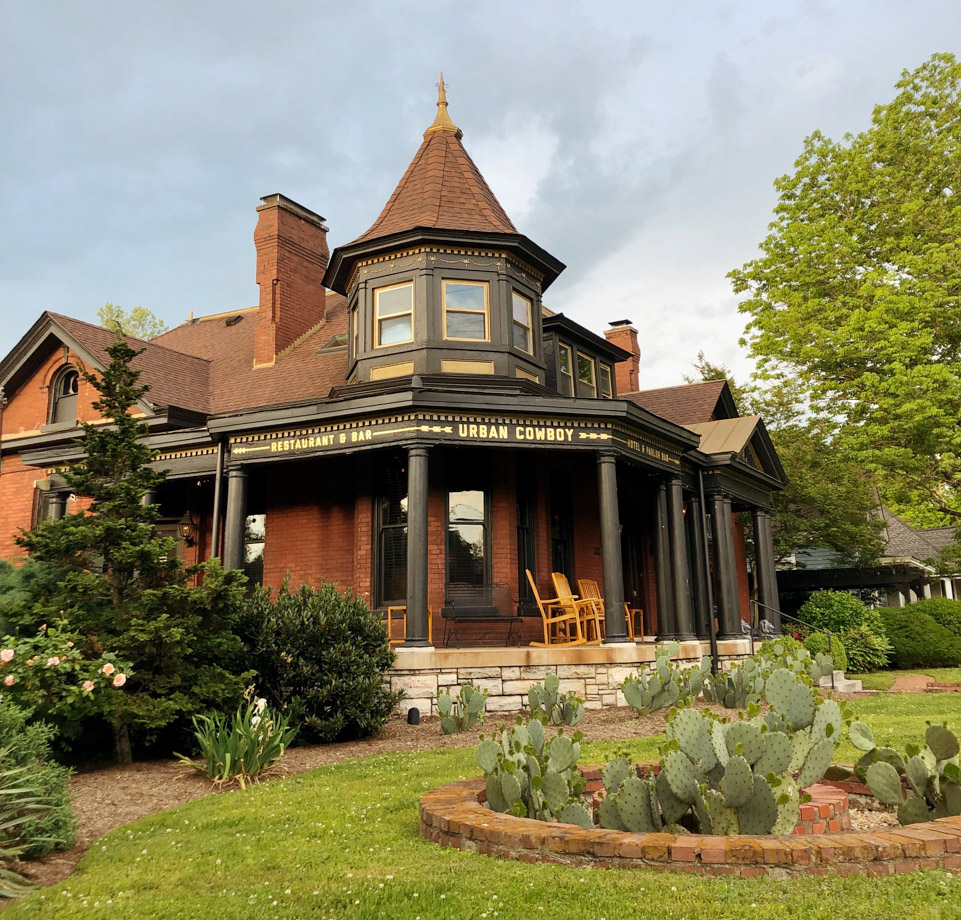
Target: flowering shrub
column 246, row 748
column 47, row 675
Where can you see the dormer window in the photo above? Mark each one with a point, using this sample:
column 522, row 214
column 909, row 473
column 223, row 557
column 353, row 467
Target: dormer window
column 522, row 323
column 63, row 399
column 586, row 374
column 394, row 315
column 466, row 311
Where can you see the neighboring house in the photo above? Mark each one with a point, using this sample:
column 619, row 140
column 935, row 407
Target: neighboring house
column 403, row 417
column 905, row 571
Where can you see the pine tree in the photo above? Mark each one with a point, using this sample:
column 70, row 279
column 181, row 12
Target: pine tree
column 124, row 588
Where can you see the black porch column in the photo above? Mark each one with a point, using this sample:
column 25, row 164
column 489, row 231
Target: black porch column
column 615, row 623
column 765, row 568
column 149, row 497
column 666, row 628
column 236, row 522
column 680, row 564
column 702, row 608
column 725, row 562
column 417, row 633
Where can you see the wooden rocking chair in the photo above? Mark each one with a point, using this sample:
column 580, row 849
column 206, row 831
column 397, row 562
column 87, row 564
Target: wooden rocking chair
column 562, row 622
column 587, row 609
column 591, row 592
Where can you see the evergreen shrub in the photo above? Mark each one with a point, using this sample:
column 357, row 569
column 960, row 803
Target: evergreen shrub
column 322, row 655
column 918, row 641
column 941, row 610
column 27, row 746
column 817, row 643
column 866, row 651
column 834, row 611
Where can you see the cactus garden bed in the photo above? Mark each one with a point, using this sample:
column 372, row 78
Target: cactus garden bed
column 456, row 816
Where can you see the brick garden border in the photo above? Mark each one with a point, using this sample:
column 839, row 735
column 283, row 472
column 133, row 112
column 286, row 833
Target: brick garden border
column 455, row 816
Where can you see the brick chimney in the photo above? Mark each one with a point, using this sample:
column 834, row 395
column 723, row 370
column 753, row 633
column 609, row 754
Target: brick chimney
column 292, row 256
column 624, row 335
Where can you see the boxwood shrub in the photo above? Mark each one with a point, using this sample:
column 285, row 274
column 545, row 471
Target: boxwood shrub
column 834, row 611
column 817, row 643
column 918, row 641
column 322, row 656
column 866, row 651
column 941, row 610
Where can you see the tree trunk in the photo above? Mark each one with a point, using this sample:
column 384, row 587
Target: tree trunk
column 121, row 742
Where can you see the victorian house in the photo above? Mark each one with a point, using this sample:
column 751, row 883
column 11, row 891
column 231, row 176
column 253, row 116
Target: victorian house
column 405, row 417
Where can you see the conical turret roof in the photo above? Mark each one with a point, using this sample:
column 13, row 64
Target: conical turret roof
column 442, row 188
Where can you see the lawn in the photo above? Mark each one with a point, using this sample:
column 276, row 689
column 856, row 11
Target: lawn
column 882, row 680
column 342, row 842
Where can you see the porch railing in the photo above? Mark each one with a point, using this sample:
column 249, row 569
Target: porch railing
column 809, row 626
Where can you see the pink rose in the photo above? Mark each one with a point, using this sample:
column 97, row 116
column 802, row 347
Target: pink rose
column 88, row 686
column 29, row 662
column 108, row 669
column 52, row 662
column 6, row 655
column 120, row 680
column 69, row 645
column 10, row 680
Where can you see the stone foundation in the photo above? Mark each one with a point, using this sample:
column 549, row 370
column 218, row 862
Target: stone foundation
column 594, row 673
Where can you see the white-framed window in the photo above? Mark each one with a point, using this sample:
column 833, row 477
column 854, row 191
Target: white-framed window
column 565, row 369
column 394, row 314
column 604, row 381
column 522, row 321
column 586, row 373
column 466, row 311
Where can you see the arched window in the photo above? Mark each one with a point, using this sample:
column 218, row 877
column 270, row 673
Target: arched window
column 63, row 398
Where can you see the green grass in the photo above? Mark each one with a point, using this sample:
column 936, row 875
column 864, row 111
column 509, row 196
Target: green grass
column 342, row 842
column 882, row 680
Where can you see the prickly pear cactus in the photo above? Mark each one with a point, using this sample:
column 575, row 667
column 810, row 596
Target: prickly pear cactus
column 547, row 701
column 932, row 773
column 530, row 777
column 464, row 712
column 667, row 684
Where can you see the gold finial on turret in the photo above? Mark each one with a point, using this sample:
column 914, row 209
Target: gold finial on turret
column 442, row 122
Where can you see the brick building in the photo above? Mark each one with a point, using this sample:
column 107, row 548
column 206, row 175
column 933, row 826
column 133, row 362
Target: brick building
column 404, row 417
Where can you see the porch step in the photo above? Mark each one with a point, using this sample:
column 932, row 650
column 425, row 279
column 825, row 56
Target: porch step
column 841, row 683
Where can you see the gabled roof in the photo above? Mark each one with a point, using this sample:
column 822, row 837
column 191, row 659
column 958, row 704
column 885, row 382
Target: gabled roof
column 745, row 439
column 906, row 542
column 442, row 188
column 175, row 379
column 691, row 403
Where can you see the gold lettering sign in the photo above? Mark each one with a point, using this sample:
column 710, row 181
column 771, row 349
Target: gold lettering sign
column 473, row 429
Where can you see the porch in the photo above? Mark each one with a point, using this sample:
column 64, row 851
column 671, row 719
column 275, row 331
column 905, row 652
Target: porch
column 595, row 673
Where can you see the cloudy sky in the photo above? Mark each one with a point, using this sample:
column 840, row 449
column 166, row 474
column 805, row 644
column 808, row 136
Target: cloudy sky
column 636, row 141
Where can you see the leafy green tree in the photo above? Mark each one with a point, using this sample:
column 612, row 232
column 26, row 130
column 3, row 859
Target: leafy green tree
column 857, row 292
column 829, row 500
column 138, row 322
column 122, row 587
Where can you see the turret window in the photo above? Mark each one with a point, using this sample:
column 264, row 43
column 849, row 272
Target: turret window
column 522, row 323
column 63, row 400
column 586, row 374
column 466, row 311
column 604, row 381
column 393, row 315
